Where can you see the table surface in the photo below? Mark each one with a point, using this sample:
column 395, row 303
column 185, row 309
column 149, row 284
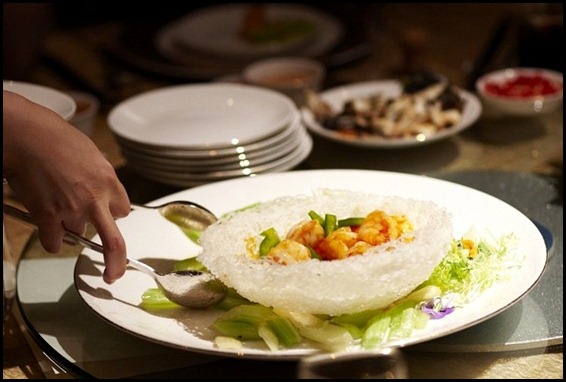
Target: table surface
column 530, row 146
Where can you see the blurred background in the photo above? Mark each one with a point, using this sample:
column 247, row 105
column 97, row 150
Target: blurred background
column 463, row 39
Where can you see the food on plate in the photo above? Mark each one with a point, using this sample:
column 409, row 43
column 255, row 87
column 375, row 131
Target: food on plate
column 418, row 237
column 258, row 28
column 524, row 85
column 426, row 105
column 470, row 267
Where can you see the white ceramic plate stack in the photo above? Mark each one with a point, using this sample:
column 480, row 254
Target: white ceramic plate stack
column 189, row 135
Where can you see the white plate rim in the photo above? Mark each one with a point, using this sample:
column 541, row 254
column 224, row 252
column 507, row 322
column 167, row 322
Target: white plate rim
column 61, row 103
column 214, row 153
column 135, row 118
column 472, row 209
column 336, row 97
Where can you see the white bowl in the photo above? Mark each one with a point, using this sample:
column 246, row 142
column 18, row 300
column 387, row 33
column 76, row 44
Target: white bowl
column 521, row 91
column 53, row 99
column 288, row 75
column 87, row 110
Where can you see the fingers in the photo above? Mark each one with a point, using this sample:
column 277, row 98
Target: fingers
column 51, row 235
column 52, row 227
column 113, row 243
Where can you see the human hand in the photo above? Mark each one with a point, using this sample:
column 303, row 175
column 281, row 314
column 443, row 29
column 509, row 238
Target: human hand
column 63, row 180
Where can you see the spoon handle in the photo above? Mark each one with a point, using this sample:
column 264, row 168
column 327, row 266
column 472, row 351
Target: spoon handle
column 74, row 239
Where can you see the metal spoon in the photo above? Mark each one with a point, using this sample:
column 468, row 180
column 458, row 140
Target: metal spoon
column 192, row 289
column 189, row 216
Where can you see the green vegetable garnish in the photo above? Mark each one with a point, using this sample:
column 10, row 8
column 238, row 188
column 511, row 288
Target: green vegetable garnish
column 349, row 222
column 330, row 224
column 270, row 240
column 314, row 216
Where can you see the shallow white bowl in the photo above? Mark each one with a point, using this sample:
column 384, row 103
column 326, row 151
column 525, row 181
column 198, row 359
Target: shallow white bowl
column 53, row 99
column 288, row 75
column 531, row 102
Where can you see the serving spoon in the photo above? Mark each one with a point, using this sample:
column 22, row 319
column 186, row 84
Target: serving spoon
column 189, row 288
column 191, row 217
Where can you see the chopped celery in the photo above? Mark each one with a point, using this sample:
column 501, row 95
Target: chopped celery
column 329, row 336
column 402, row 324
column 376, row 332
column 191, row 264
column 231, row 300
column 457, row 275
column 355, row 331
column 299, row 319
column 224, row 342
column 242, row 321
column 237, row 329
column 154, row 299
column 359, row 319
column 284, row 330
column 192, row 234
column 268, row 336
column 425, row 293
column 421, row 319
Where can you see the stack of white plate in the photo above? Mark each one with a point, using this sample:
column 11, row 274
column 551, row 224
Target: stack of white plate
column 190, row 135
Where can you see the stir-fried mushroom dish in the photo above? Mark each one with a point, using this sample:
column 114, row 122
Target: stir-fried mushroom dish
column 426, row 106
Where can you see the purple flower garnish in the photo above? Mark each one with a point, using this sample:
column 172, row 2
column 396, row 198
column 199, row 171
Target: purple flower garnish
column 437, row 308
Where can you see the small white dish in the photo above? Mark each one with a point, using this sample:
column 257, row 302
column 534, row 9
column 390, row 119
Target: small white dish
column 289, row 75
column 55, row 100
column 336, row 97
column 87, row 109
column 201, row 116
column 521, row 92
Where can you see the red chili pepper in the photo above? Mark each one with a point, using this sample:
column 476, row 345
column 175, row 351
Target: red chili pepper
column 524, row 86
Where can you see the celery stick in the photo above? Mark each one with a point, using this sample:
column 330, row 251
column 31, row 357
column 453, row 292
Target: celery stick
column 354, row 331
column 231, row 300
column 402, row 324
column 330, row 337
column 285, row 331
column 248, row 313
column 224, row 342
column 268, row 336
column 154, row 299
column 376, row 332
column 299, row 318
column 242, row 321
column 421, row 319
column 359, row 319
column 190, row 264
column 237, row 329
